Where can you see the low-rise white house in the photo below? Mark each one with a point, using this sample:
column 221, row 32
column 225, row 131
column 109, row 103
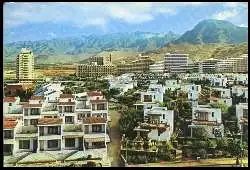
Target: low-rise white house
column 209, row 118
column 240, row 91
column 221, row 95
column 123, row 82
column 172, row 84
column 11, row 105
column 242, row 115
column 192, row 90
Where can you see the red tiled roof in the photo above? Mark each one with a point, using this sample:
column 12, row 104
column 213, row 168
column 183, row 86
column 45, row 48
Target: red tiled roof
column 9, row 124
column 95, row 93
column 14, row 86
column 37, row 98
column 9, row 99
column 49, row 121
column 98, row 101
column 66, row 96
column 66, row 103
column 32, row 105
column 90, row 120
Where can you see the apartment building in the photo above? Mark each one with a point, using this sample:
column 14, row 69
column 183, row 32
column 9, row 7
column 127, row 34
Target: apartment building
column 171, row 61
column 141, row 65
column 209, row 118
column 25, row 65
column 158, row 67
column 10, row 126
column 101, row 60
column 94, row 70
column 209, row 65
column 233, row 65
column 221, row 95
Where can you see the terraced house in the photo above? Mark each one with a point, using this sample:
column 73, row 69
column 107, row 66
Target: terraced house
column 70, row 123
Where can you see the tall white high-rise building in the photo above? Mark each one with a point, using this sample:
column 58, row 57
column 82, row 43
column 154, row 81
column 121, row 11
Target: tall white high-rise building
column 25, row 65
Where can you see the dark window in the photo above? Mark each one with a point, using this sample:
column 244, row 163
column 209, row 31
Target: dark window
column 25, row 112
column 24, row 144
column 53, row 144
column 33, row 121
column 47, row 116
column 10, row 104
column 69, row 142
column 69, row 119
column 212, row 114
column 34, row 111
column 163, row 116
column 54, row 130
column 192, row 87
column 96, row 128
column 100, row 106
column 69, row 100
column 8, row 134
column 69, row 109
column 245, row 113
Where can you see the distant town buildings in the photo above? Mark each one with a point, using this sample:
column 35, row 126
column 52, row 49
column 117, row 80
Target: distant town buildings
column 98, row 66
column 140, row 65
column 175, row 60
column 25, row 65
column 158, row 67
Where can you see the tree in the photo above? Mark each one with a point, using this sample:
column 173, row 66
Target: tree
column 222, row 106
column 128, row 121
column 204, row 96
column 200, row 132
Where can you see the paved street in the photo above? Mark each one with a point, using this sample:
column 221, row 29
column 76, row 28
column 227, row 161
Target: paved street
column 114, row 146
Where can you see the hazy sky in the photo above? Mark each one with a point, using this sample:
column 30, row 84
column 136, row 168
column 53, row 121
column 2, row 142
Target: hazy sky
column 125, row 16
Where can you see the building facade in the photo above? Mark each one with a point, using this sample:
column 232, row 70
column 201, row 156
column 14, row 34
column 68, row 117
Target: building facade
column 173, row 61
column 25, row 65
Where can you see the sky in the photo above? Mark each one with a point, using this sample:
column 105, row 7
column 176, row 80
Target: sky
column 125, row 16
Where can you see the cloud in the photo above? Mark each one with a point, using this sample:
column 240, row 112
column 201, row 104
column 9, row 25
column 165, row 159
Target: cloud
column 243, row 25
column 85, row 13
column 235, row 4
column 226, row 14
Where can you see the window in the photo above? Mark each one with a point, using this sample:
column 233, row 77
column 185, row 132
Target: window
column 100, row 106
column 197, row 89
column 69, row 100
column 96, row 128
column 25, row 122
column 163, row 116
column 25, row 112
column 69, row 109
column 190, row 94
column 69, row 142
column 69, row 119
column 34, row 111
column 212, row 114
column 52, row 143
column 10, row 104
column 47, row 116
column 24, row 144
column 93, row 106
column 245, row 113
column 225, row 101
column 33, row 121
column 8, row 134
column 192, row 87
column 54, row 130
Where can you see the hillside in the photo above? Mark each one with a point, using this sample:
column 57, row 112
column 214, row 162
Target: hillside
column 214, row 31
column 199, row 52
column 76, row 47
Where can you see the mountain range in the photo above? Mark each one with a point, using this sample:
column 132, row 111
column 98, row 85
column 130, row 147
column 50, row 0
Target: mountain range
column 71, row 41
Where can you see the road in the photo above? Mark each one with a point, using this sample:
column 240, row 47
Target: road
column 114, row 146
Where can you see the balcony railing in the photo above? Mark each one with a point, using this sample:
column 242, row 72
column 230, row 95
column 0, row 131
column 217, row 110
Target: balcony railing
column 72, row 128
column 28, row 130
column 48, row 134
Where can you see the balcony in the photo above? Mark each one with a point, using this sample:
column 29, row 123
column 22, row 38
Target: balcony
column 72, row 128
column 28, row 130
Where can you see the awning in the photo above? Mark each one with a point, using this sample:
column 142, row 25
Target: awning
column 95, row 139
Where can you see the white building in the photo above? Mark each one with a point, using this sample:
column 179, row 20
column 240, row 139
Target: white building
column 221, row 95
column 172, row 84
column 11, row 105
column 192, row 90
column 158, row 67
column 242, row 115
column 172, row 60
column 209, row 118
